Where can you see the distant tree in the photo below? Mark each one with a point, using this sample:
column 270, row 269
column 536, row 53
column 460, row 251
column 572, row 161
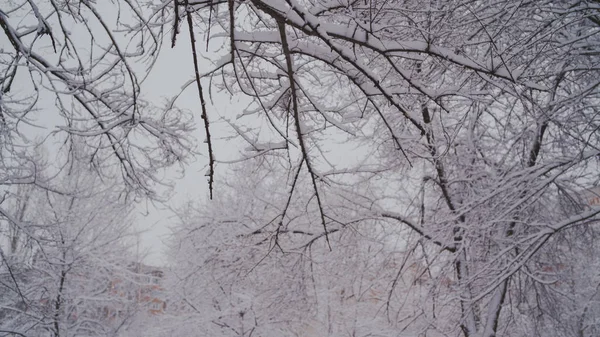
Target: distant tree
column 232, row 277
column 66, row 252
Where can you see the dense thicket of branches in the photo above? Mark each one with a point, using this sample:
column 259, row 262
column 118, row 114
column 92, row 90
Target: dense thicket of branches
column 70, row 84
column 75, row 68
column 63, row 255
column 474, row 127
column 474, row 146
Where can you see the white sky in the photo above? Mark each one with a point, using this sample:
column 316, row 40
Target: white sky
column 173, row 69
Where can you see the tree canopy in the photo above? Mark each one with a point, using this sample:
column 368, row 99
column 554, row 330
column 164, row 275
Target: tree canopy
column 407, row 167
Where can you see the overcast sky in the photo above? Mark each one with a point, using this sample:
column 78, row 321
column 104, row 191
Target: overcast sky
column 173, row 69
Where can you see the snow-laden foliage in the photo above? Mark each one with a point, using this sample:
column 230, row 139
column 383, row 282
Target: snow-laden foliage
column 66, row 259
column 409, row 168
column 473, row 129
column 233, row 276
column 71, row 74
column 73, row 71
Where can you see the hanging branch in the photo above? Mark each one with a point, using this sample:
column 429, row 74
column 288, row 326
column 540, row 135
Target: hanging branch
column 290, row 71
column 175, row 23
column 204, row 116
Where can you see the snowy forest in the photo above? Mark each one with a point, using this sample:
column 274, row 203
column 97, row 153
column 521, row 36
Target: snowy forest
column 409, row 168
